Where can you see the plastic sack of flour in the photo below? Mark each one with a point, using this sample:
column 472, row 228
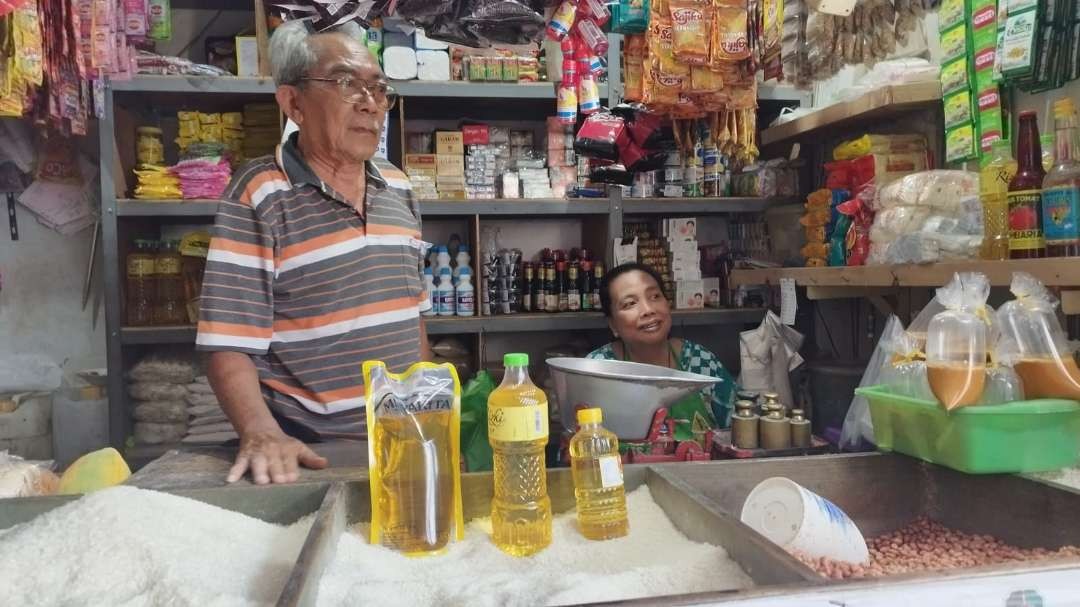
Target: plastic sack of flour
column 1035, row 343
column 414, row 421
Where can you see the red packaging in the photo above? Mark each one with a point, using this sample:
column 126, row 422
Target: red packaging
column 568, row 45
column 603, row 135
column 562, row 20
column 475, row 134
column 595, row 9
column 590, row 32
column 569, row 72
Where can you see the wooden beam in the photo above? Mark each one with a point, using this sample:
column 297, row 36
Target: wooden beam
column 262, row 37
column 821, row 293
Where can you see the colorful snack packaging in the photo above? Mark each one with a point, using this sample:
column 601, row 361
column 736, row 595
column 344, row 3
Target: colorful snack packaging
column 562, row 20
column 1033, row 341
column 602, row 136
column 730, row 38
column 414, row 421
column 690, row 26
column 956, row 341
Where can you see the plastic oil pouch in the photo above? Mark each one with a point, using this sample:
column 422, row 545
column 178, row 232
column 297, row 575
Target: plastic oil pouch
column 414, row 422
column 1033, row 339
column 904, row 369
column 956, row 341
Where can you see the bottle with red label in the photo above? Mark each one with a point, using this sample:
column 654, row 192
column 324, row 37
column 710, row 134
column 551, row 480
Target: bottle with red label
column 1026, row 240
column 1061, row 187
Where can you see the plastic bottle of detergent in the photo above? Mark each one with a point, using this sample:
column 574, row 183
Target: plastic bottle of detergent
column 442, row 258
column 518, row 432
column 461, row 262
column 466, row 294
column 598, row 478
column 429, row 286
column 445, row 293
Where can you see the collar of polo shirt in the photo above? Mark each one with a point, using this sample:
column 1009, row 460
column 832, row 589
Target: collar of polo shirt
column 299, row 171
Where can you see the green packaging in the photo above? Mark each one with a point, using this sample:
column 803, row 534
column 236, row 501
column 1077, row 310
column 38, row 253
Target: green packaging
column 159, row 16
column 960, row 143
column 954, row 75
column 1020, row 44
column 954, row 42
column 957, row 108
column 950, row 13
column 988, row 122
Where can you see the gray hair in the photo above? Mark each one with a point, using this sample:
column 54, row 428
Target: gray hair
column 291, row 55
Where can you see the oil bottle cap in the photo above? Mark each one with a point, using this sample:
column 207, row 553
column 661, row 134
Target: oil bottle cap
column 590, row 416
column 516, row 359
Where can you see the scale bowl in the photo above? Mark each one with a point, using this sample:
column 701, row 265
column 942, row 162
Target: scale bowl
column 628, row 393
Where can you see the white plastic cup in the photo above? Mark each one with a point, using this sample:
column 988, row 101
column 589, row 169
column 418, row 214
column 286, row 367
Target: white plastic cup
column 798, row 519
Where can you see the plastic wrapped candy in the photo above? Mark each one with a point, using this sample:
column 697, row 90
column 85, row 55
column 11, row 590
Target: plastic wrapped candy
column 956, row 341
column 1032, row 338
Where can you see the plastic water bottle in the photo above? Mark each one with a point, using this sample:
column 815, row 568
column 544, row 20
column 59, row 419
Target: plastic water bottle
column 445, row 292
column 429, row 286
column 466, row 294
column 518, row 432
column 598, row 478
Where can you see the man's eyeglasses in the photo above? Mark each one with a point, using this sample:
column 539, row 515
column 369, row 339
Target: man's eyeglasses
column 354, row 90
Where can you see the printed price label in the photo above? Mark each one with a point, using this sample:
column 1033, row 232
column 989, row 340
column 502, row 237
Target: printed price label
column 518, row 424
column 611, row 471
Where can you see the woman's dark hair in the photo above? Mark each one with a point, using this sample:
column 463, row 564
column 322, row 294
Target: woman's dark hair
column 617, row 271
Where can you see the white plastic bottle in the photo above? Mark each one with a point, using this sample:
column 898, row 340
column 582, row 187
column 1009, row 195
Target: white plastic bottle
column 466, row 294
column 429, row 286
column 445, row 292
column 442, row 258
column 461, row 262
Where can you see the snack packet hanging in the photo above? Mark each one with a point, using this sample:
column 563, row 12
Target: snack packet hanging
column 691, row 21
column 1033, row 339
column 414, row 422
column 956, row 341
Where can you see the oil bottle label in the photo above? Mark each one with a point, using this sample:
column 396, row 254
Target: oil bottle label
column 167, row 265
column 1061, row 208
column 140, row 267
column 514, row 424
column 1025, row 224
column 610, row 471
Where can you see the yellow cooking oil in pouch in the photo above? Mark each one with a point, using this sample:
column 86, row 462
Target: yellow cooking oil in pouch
column 414, row 422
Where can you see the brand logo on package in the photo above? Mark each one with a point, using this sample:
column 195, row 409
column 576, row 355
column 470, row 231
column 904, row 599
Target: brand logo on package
column 684, row 16
column 989, row 99
column 983, row 17
column 984, row 58
column 393, row 404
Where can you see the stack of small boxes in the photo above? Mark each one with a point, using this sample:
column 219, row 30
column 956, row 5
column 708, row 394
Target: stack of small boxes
column 561, row 159
column 481, row 162
column 450, row 164
column 651, row 253
column 232, row 135
column 681, row 247
column 261, row 129
column 422, row 171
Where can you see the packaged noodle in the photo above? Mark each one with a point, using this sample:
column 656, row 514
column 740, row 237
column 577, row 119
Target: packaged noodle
column 956, row 341
column 1032, row 337
column 414, row 422
column 690, row 24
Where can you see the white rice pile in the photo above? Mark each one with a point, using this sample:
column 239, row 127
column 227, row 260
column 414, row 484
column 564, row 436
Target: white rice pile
column 131, row 547
column 655, row 559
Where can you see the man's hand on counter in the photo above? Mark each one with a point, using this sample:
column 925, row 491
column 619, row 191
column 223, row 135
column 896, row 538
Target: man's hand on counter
column 272, row 456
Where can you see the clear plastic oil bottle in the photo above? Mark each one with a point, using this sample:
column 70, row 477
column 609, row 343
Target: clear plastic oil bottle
column 170, row 308
column 598, row 479
column 140, row 285
column 518, row 433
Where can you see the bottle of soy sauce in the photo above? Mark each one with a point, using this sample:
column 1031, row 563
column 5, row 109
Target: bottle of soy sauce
column 561, row 287
column 586, row 286
column 573, row 292
column 526, row 288
column 551, row 296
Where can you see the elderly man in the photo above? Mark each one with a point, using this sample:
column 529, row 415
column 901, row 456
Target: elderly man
column 315, row 262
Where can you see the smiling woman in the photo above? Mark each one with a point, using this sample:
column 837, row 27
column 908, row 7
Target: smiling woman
column 633, row 300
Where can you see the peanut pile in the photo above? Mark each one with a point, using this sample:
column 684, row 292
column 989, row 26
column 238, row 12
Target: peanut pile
column 926, row 545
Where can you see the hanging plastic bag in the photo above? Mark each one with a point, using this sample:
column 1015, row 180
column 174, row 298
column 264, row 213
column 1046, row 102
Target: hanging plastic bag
column 956, row 341
column 857, row 423
column 904, row 370
column 474, row 439
column 414, row 419
column 1034, row 340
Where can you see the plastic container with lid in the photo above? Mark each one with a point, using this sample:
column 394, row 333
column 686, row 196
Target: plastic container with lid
column 956, row 341
column 170, row 307
column 1025, row 436
column 141, row 294
column 598, row 478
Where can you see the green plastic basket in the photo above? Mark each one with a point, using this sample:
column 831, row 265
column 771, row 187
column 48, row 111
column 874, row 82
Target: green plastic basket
column 1022, row 436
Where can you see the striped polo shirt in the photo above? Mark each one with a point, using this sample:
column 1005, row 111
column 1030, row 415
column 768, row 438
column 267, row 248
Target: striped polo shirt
column 296, row 278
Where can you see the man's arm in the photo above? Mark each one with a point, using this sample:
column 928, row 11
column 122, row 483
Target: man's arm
column 425, row 346
column 264, row 449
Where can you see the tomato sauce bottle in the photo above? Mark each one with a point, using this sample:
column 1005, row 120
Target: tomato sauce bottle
column 1025, row 193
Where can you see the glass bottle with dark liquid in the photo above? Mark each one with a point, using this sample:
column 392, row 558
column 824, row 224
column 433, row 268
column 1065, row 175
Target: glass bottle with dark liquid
column 1026, row 239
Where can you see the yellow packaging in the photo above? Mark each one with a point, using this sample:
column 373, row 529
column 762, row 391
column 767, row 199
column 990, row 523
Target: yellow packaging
column 414, row 421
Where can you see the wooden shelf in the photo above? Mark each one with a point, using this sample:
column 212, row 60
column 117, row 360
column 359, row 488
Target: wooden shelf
column 865, row 110
column 512, row 323
column 1056, row 272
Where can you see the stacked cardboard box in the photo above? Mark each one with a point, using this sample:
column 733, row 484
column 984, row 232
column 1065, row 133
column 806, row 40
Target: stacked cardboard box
column 450, row 164
column 681, row 247
column 422, row 171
